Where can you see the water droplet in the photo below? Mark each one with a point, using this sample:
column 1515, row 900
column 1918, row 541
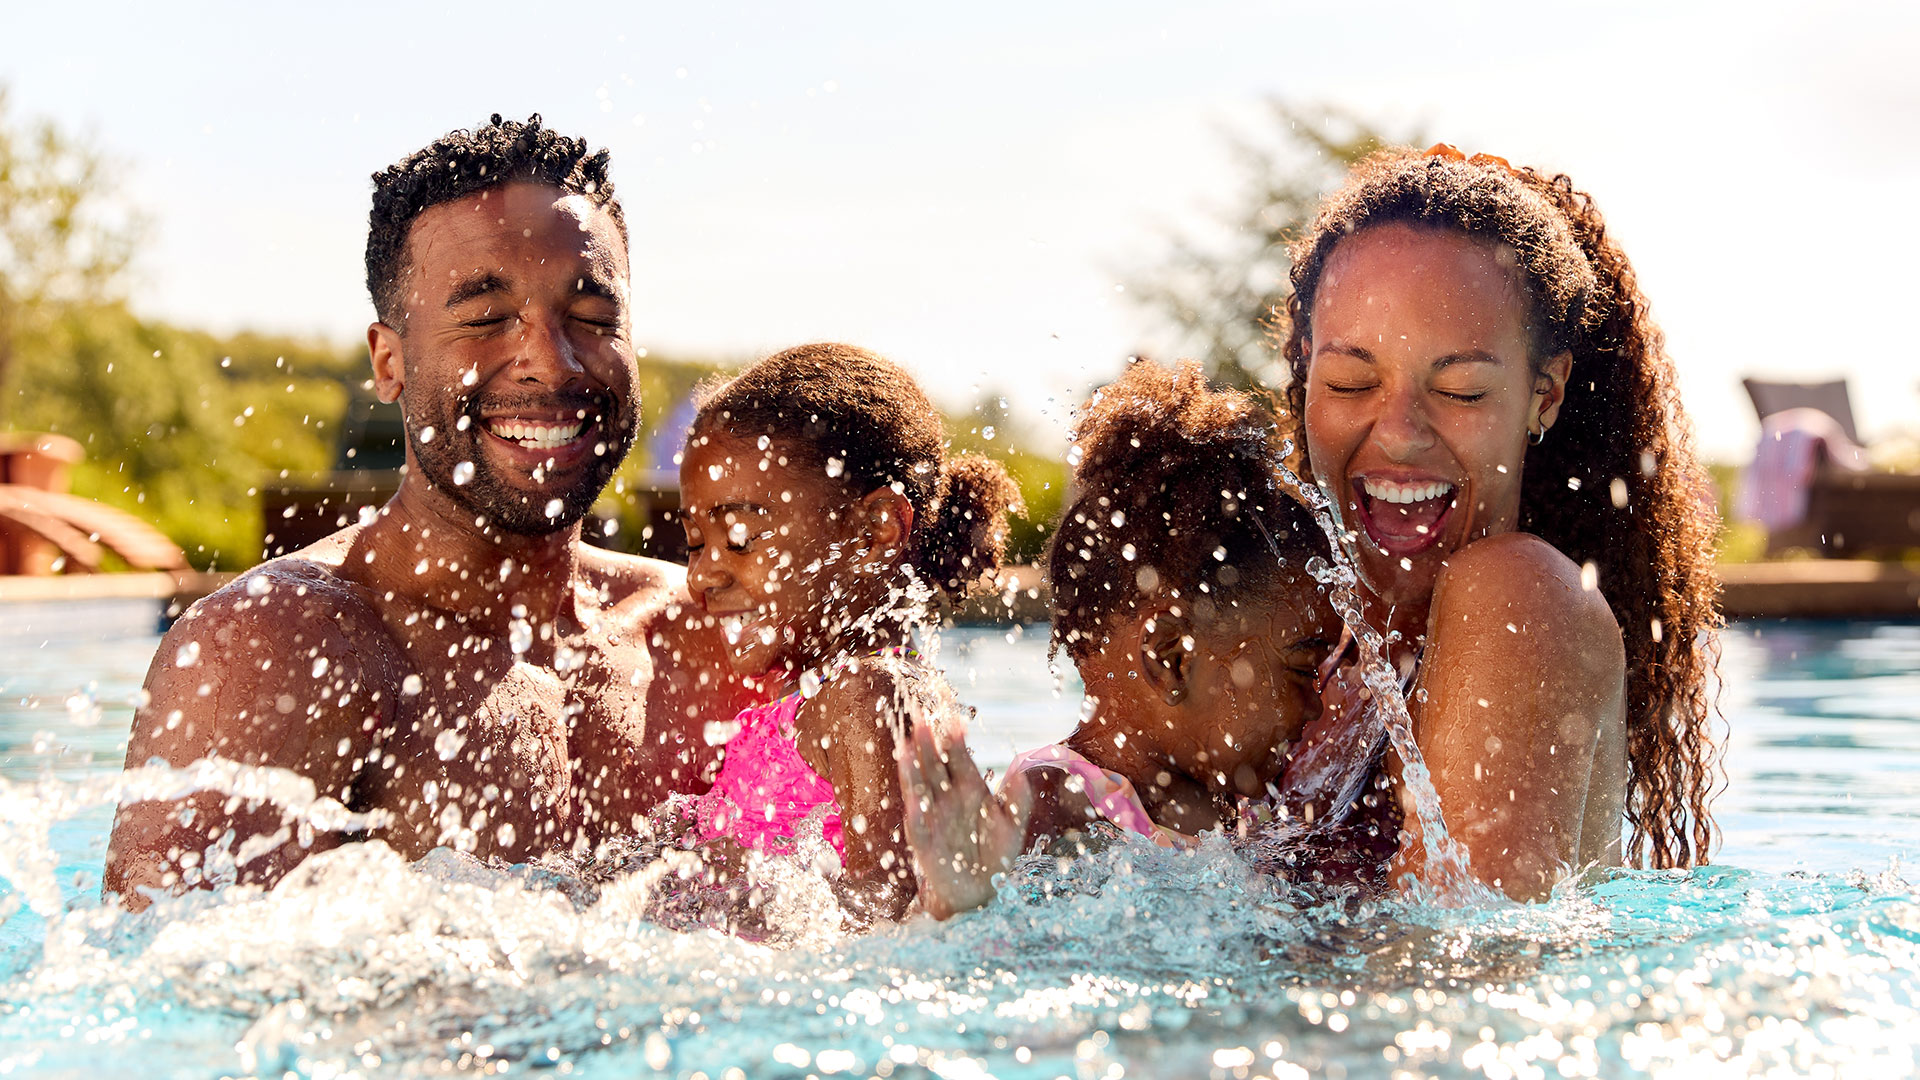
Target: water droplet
column 519, row 636
column 715, row 472
column 462, row 473
column 258, row 585
column 463, row 423
column 737, row 533
column 1618, row 492
column 835, row 467
column 987, row 433
column 426, row 434
column 1118, row 519
column 1589, row 576
column 420, row 567
column 1127, row 552
column 320, row 665
column 470, row 376
column 448, row 743
column 410, row 686
column 187, row 655
column 554, row 506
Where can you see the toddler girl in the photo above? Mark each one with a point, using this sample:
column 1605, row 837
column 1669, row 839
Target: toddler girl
column 1180, row 591
column 822, row 513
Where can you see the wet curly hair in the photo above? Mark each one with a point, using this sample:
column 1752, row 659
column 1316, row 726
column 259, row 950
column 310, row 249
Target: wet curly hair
column 836, row 401
column 1617, row 484
column 461, row 163
column 1177, row 493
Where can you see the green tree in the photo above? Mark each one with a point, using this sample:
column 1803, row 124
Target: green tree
column 1224, row 295
column 180, row 426
column 64, row 239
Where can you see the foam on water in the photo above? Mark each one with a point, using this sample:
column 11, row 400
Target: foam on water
column 1132, row 961
column 1165, row 963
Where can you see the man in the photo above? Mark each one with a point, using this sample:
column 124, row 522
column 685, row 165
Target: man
column 460, row 665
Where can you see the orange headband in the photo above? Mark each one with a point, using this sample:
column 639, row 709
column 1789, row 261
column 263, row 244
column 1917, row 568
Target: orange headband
column 1450, row 152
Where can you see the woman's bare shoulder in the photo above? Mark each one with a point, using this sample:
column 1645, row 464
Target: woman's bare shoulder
column 1521, row 579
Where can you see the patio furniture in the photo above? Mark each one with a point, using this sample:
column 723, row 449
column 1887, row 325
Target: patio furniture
column 1850, row 513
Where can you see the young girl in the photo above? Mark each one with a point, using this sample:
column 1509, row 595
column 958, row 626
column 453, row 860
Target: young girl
column 822, row 513
column 1180, row 591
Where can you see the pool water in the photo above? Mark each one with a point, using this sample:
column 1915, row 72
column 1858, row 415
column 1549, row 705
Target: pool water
column 1797, row 952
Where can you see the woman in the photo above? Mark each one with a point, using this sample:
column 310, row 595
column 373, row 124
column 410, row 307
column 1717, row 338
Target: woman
column 1488, row 406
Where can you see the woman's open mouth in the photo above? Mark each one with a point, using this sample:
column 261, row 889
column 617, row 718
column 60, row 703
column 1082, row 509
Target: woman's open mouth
column 1403, row 519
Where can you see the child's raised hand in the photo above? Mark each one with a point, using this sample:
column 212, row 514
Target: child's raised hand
column 961, row 833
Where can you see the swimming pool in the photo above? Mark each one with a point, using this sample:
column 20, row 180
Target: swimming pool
column 1797, row 952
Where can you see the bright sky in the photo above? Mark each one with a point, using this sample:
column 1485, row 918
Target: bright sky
column 962, row 186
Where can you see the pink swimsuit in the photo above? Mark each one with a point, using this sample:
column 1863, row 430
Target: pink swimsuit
column 765, row 788
column 1111, row 794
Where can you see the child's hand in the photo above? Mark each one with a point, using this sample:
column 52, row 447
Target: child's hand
column 961, row 833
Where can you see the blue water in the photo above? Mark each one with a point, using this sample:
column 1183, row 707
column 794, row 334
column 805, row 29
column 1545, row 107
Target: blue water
column 1796, row 953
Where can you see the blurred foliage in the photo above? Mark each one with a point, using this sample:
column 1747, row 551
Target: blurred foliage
column 991, row 429
column 1740, row 541
column 1226, row 296
column 181, row 426
column 64, row 238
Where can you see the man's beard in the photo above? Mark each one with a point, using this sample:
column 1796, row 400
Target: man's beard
column 487, row 494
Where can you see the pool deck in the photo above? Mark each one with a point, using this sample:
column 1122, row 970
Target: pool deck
column 1808, row 589
column 179, row 588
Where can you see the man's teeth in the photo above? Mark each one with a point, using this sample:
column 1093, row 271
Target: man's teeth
column 537, row 436
column 1388, row 491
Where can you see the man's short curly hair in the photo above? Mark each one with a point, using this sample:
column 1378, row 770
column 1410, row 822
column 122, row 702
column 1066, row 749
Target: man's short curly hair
column 464, row 162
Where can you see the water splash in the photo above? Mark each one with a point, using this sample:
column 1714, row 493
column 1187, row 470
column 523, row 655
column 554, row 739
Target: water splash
column 1447, row 872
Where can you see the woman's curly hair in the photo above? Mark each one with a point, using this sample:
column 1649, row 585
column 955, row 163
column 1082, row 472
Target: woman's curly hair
column 1176, row 493
column 830, row 402
column 1616, row 485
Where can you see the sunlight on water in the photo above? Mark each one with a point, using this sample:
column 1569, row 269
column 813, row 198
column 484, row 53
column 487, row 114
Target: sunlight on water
column 1135, row 961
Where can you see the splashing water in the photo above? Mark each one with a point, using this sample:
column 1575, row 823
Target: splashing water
column 1446, row 873
column 1131, row 961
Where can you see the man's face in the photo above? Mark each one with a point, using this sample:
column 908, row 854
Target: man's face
column 514, row 363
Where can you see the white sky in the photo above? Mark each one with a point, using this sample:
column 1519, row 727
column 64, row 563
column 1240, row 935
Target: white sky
column 960, row 186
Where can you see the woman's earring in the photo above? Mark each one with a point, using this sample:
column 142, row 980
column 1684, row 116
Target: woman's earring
column 1537, row 436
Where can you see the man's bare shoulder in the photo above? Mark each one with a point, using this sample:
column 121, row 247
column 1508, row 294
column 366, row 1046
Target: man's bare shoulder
column 311, row 585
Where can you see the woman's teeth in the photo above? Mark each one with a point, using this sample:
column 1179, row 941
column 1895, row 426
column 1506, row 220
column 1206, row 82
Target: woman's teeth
column 1388, row 491
column 536, row 436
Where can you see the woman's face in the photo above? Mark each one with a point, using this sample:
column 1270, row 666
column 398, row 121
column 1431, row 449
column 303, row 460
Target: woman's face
column 1420, row 397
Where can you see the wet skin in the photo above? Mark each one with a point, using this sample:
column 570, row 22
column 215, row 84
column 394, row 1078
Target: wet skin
column 1421, row 392
column 790, row 560
column 462, row 662
column 1195, row 704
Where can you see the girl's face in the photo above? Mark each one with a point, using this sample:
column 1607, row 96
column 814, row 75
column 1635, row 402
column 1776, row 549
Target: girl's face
column 1252, row 686
column 773, row 550
column 1420, row 397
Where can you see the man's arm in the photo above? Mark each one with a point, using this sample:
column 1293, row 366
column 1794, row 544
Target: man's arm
column 279, row 669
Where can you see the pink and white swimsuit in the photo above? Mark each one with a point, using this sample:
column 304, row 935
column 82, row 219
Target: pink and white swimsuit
column 1112, row 795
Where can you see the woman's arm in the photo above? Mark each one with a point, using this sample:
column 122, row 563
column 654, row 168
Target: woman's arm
column 1524, row 705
